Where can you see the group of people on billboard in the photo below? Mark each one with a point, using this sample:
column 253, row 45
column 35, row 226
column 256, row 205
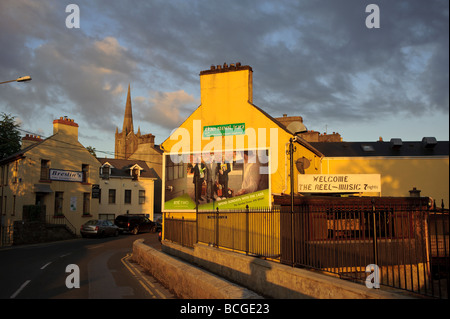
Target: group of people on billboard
column 211, row 177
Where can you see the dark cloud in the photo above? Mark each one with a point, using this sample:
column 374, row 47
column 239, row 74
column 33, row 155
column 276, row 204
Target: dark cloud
column 315, row 58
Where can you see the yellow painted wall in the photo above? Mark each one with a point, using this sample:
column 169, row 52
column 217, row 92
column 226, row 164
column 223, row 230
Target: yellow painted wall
column 398, row 175
column 226, row 98
column 64, row 152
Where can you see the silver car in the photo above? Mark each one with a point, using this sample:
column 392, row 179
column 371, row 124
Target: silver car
column 99, row 228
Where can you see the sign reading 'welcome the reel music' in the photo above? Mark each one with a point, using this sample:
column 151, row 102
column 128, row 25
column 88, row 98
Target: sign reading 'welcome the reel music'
column 339, row 183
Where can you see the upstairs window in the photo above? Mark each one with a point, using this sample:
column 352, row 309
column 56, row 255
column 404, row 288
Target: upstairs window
column 85, row 172
column 45, row 169
column 105, row 171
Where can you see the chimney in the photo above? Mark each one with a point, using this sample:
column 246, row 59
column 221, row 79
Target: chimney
column 414, row 192
column 234, row 81
column 29, row 139
column 66, row 127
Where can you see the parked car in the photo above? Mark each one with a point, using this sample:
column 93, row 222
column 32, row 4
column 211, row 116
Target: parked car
column 99, row 228
column 135, row 224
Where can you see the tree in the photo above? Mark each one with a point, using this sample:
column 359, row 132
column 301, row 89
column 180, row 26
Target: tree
column 91, row 150
column 10, row 140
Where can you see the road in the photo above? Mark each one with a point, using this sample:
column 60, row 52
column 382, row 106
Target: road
column 103, row 267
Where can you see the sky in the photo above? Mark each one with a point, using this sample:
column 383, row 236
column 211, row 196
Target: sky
column 312, row 58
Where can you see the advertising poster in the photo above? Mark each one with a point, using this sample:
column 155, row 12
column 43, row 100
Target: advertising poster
column 224, row 180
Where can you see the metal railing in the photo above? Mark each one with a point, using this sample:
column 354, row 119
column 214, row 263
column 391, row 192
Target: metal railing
column 408, row 243
column 61, row 220
column 180, row 231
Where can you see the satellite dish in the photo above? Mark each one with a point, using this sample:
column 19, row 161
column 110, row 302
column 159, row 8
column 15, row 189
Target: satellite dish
column 296, row 127
column 302, row 164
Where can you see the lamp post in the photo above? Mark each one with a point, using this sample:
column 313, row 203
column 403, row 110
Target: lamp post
column 20, row 79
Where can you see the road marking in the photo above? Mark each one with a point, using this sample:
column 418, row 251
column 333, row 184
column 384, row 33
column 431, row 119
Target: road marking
column 147, row 283
column 94, row 247
column 14, row 295
column 43, row 267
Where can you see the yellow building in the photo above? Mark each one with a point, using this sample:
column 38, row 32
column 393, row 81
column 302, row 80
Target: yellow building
column 126, row 187
column 403, row 165
column 228, row 128
column 57, row 172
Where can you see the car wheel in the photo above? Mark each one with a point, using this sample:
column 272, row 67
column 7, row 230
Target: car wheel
column 116, row 233
column 153, row 229
column 135, row 230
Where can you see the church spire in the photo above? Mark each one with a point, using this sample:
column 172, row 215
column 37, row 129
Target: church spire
column 128, row 118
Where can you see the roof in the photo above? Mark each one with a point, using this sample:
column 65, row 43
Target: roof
column 394, row 148
column 121, row 167
column 21, row 153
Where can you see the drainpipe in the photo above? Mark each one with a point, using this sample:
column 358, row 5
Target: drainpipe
column 285, row 167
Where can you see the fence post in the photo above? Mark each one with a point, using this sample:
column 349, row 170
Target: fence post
column 247, row 232
column 375, row 244
column 182, row 231
column 217, row 227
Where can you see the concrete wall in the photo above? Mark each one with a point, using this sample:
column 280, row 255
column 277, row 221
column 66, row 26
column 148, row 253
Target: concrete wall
column 185, row 280
column 37, row 232
column 272, row 279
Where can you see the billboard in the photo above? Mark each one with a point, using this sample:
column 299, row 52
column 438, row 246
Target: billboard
column 230, row 179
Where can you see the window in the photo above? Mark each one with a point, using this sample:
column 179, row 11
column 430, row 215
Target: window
column 174, row 170
column 85, row 171
column 135, row 173
column 107, row 217
column 15, row 171
column 14, row 206
column 112, row 196
column 45, row 167
column 59, row 203
column 127, row 196
column 86, row 203
column 105, row 171
column 6, row 174
column 142, row 197
column 5, row 201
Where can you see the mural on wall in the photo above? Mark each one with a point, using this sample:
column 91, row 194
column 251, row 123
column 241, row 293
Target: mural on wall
column 226, row 180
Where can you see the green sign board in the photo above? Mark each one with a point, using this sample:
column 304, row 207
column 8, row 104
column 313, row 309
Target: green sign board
column 224, row 130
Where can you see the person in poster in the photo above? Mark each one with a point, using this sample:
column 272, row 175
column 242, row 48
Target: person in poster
column 211, row 174
column 199, row 177
column 252, row 180
column 222, row 170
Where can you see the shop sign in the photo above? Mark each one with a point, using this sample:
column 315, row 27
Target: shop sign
column 339, row 183
column 224, row 130
column 66, row 176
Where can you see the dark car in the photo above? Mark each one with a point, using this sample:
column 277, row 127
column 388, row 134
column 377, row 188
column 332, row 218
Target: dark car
column 135, row 224
column 99, row 228
column 158, row 223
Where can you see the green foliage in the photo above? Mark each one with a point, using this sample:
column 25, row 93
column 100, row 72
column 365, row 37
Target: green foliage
column 9, row 136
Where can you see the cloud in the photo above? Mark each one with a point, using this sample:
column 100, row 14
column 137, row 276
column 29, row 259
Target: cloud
column 315, row 58
column 166, row 109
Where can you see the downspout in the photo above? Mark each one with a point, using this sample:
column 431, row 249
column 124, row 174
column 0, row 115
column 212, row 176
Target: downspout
column 285, row 167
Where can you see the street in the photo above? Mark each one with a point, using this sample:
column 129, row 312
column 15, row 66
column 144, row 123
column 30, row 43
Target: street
column 103, row 267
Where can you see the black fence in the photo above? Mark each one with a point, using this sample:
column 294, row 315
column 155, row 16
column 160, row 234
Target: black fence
column 406, row 240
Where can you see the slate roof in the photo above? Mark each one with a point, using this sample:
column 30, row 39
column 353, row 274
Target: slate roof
column 121, row 167
column 393, row 148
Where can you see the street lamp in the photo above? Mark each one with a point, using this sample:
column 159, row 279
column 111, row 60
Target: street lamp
column 21, row 79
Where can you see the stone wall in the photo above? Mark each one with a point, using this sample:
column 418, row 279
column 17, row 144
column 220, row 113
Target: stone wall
column 34, row 232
